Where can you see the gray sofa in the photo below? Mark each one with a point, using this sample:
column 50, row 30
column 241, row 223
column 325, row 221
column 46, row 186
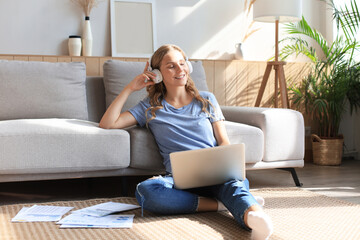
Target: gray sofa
column 49, row 114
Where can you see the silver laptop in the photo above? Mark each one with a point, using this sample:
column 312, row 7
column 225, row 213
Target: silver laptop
column 208, row 166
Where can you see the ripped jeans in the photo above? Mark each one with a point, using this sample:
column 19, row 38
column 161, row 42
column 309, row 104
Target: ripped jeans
column 158, row 195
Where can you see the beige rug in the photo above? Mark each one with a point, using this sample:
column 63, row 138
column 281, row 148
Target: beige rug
column 296, row 213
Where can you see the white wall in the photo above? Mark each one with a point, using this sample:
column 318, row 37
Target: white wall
column 43, row 26
column 350, row 128
column 357, row 134
column 203, row 28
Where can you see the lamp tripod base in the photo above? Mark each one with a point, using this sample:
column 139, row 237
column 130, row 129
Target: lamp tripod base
column 278, row 66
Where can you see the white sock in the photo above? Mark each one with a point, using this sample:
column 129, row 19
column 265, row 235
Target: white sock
column 260, row 200
column 261, row 225
column 221, row 206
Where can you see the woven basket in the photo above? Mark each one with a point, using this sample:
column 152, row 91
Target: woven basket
column 327, row 151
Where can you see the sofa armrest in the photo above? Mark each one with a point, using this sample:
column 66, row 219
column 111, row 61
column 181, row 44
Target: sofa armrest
column 284, row 134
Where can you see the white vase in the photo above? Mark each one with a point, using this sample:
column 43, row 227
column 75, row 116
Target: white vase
column 74, row 45
column 238, row 52
column 87, row 38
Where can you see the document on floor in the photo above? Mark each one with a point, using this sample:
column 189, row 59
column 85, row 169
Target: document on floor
column 104, row 209
column 38, row 213
column 86, row 221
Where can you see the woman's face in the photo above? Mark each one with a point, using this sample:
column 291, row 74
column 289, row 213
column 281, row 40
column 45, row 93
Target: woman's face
column 174, row 69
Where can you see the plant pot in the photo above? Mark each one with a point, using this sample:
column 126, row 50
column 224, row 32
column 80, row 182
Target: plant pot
column 327, row 151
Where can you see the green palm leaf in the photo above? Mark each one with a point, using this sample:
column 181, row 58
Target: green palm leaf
column 347, row 18
column 303, row 28
column 335, row 79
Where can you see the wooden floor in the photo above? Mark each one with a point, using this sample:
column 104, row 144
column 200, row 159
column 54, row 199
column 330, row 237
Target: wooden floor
column 341, row 182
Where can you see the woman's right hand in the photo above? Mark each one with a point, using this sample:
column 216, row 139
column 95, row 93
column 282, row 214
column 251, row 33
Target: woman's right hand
column 113, row 117
column 142, row 80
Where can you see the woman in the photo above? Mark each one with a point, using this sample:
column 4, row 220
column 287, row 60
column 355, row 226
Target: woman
column 182, row 118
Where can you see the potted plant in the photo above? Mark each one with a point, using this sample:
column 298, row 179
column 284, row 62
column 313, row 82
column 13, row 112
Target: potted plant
column 334, row 84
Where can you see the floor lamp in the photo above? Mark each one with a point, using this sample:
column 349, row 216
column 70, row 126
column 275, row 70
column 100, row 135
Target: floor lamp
column 276, row 11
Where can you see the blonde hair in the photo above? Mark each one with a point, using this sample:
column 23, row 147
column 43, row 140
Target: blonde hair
column 157, row 92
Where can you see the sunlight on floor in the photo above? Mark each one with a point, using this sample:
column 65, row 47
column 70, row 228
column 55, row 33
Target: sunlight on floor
column 340, row 192
column 330, row 188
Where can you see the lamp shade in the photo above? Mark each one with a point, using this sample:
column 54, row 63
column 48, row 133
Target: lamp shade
column 282, row 10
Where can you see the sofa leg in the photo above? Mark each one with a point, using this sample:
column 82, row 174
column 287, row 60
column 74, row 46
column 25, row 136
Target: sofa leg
column 294, row 175
column 124, row 186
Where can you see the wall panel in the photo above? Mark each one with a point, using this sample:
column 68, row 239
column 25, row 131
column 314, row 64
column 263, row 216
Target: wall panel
column 233, row 82
column 220, row 81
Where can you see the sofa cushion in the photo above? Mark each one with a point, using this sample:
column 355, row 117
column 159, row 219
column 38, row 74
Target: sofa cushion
column 117, row 74
column 144, row 157
column 252, row 137
column 95, row 96
column 60, row 146
column 42, row 90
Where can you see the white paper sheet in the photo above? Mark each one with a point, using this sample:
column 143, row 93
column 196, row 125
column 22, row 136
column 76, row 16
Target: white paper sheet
column 86, row 221
column 86, row 226
column 104, row 209
column 39, row 213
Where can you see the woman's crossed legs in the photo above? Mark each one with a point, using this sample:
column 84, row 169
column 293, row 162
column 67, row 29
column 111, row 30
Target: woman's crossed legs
column 159, row 195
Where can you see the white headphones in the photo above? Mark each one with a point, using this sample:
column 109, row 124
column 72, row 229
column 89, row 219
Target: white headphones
column 159, row 76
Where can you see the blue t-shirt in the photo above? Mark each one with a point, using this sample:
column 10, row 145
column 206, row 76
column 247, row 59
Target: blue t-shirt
column 180, row 129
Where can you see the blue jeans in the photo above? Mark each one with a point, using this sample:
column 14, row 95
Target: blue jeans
column 158, row 195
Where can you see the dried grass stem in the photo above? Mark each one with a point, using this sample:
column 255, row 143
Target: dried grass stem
column 86, row 5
